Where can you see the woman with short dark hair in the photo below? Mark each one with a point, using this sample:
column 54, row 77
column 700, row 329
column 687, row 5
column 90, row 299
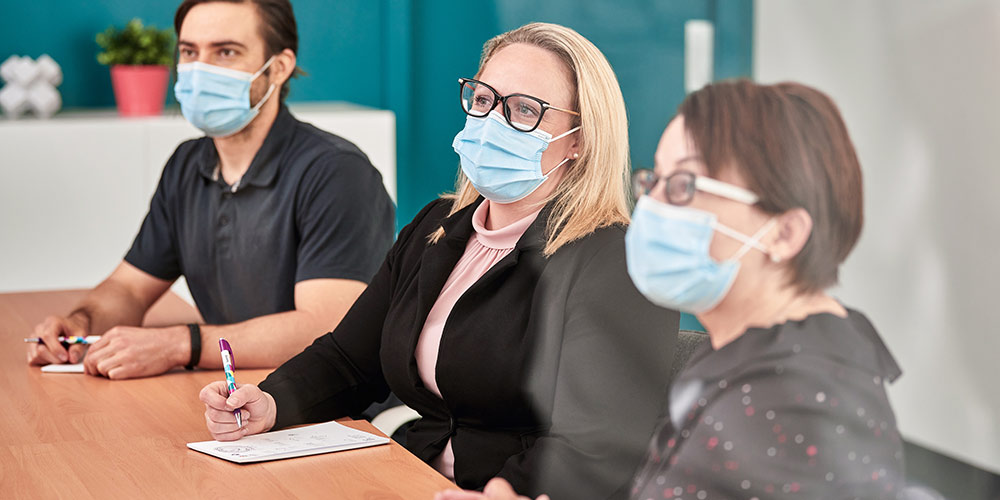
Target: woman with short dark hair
column 755, row 202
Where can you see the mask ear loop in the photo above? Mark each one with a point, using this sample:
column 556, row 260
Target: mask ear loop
column 266, row 96
column 263, row 68
column 557, row 166
column 269, row 89
column 564, row 134
column 748, row 243
column 556, row 138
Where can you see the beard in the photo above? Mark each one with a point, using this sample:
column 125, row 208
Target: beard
column 258, row 89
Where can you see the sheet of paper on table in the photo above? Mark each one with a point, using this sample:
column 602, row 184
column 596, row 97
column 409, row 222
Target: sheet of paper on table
column 63, row 368
column 298, row 442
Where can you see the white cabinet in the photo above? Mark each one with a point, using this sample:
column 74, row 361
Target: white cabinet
column 74, row 189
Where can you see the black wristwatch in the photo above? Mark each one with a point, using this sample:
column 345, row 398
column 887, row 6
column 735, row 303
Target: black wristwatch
column 195, row 346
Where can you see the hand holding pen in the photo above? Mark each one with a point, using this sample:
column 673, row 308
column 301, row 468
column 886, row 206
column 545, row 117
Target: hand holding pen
column 66, row 341
column 235, row 410
column 47, row 345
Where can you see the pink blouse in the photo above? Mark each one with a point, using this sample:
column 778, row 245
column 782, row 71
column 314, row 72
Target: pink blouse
column 484, row 249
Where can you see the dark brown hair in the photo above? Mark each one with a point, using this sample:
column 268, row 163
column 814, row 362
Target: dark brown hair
column 277, row 26
column 789, row 143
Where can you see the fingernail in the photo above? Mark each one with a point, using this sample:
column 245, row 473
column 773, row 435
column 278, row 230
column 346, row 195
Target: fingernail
column 63, row 356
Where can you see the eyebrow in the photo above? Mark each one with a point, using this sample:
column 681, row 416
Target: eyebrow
column 688, row 159
column 221, row 43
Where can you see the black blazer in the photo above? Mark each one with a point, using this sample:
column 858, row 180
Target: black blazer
column 552, row 370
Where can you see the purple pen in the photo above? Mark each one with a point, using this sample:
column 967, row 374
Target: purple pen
column 229, row 364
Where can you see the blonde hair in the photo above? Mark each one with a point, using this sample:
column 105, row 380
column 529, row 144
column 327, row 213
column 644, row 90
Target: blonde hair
column 594, row 191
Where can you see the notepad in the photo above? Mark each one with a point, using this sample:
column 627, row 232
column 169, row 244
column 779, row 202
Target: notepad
column 63, row 368
column 299, row 442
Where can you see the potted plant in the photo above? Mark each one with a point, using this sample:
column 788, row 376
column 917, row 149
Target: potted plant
column 140, row 58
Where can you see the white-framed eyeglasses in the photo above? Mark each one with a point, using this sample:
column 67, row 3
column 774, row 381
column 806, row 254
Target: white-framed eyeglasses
column 682, row 184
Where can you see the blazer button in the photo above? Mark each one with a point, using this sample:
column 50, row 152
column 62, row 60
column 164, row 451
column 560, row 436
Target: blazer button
column 223, row 220
column 451, row 425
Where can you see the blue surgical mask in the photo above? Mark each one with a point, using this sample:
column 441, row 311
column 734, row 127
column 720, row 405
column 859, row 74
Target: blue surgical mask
column 667, row 253
column 503, row 163
column 216, row 99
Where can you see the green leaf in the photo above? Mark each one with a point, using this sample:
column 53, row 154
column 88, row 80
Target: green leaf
column 135, row 44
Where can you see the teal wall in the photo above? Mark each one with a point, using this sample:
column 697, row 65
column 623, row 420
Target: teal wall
column 406, row 55
column 333, row 35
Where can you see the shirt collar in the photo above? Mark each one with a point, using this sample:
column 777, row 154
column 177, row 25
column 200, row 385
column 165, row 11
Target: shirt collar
column 264, row 166
column 851, row 341
column 458, row 227
column 503, row 238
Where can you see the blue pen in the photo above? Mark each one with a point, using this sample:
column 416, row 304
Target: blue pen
column 229, row 364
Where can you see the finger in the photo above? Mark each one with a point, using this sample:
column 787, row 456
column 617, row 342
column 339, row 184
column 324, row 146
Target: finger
column 221, row 416
column 49, row 333
column 122, row 371
column 90, row 366
column 499, row 488
column 38, row 354
column 72, row 328
column 219, row 428
column 76, row 352
column 543, row 497
column 459, row 495
column 242, row 396
column 97, row 353
column 100, row 348
column 230, row 436
column 214, row 395
column 105, row 365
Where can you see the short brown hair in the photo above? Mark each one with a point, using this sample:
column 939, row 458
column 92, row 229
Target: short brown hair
column 789, row 143
column 277, row 26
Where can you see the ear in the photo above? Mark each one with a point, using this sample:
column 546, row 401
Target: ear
column 792, row 230
column 573, row 153
column 283, row 67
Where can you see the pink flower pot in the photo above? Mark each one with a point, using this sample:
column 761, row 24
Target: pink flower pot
column 140, row 90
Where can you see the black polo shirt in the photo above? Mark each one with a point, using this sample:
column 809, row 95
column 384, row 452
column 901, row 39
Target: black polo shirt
column 310, row 206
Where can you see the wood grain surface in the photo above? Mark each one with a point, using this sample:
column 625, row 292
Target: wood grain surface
column 78, row 436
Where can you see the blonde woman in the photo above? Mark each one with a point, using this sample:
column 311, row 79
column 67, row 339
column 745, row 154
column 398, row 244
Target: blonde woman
column 504, row 313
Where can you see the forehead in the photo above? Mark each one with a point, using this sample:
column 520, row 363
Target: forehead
column 214, row 22
column 526, row 69
column 676, row 150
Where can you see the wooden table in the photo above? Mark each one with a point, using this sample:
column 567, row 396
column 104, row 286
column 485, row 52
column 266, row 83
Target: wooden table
column 78, row 436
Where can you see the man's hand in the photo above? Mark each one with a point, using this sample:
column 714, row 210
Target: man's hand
column 131, row 352
column 50, row 351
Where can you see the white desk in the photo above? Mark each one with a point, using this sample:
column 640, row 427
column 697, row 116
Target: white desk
column 74, row 189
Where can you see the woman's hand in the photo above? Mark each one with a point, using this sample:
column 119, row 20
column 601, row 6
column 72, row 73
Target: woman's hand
column 257, row 410
column 496, row 489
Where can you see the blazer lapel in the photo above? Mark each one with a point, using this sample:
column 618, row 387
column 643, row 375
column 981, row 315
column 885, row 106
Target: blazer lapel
column 436, row 265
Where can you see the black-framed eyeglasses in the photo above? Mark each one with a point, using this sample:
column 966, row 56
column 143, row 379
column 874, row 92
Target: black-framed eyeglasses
column 522, row 111
column 682, row 184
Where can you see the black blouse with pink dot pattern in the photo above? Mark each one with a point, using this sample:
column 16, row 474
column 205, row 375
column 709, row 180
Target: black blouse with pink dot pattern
column 798, row 410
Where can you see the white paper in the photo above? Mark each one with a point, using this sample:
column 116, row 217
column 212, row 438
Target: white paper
column 63, row 368
column 299, row 442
